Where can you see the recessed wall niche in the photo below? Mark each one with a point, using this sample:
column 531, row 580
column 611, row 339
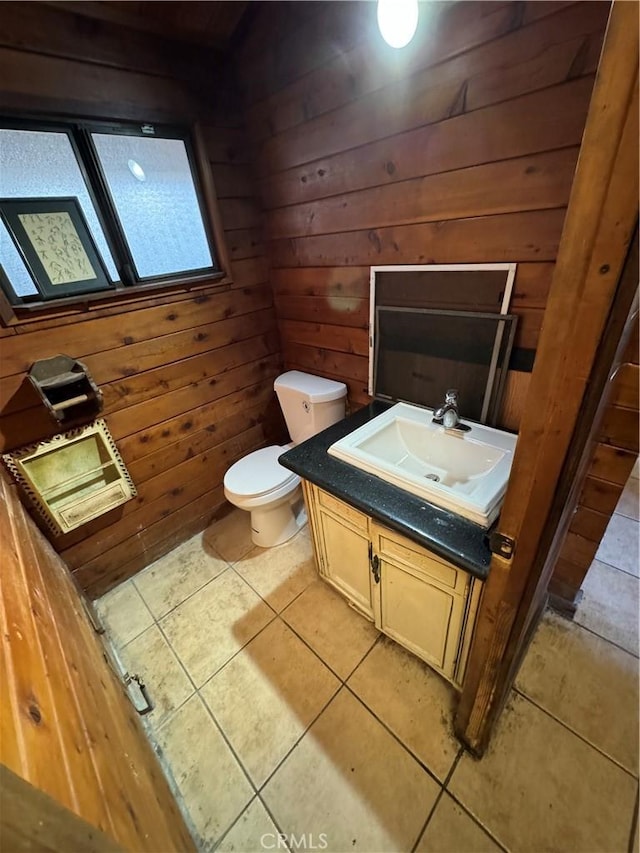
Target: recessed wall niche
column 72, row 478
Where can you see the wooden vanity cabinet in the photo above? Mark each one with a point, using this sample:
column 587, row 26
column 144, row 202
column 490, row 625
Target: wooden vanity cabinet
column 342, row 546
column 413, row 596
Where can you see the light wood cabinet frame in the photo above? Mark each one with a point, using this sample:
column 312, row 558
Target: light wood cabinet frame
column 416, row 598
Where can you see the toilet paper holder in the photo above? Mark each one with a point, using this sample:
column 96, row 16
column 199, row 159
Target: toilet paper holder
column 66, row 389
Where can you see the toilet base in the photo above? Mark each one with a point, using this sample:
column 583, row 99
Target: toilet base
column 274, row 525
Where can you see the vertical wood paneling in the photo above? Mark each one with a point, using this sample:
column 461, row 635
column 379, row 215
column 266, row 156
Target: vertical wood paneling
column 67, row 727
column 461, row 148
column 186, row 375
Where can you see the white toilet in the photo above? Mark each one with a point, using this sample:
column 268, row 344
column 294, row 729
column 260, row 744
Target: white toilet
column 258, row 483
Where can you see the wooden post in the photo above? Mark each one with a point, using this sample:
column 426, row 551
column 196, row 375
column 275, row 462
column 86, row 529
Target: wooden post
column 600, row 221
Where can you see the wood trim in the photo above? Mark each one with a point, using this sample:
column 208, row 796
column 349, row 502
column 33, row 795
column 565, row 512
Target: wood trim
column 600, row 221
column 574, row 518
column 16, row 315
column 30, row 820
column 211, row 200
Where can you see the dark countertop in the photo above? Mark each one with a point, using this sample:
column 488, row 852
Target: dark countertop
column 455, row 538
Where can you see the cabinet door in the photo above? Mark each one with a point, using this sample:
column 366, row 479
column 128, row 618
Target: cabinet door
column 421, row 600
column 344, row 550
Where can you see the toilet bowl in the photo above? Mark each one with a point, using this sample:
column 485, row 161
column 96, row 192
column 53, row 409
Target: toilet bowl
column 259, row 484
column 271, row 493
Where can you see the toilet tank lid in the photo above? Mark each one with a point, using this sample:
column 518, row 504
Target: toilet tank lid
column 315, row 388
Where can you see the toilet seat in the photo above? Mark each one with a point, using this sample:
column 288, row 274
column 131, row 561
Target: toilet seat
column 259, row 478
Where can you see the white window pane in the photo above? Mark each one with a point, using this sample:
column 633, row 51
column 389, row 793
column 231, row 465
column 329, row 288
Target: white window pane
column 152, row 188
column 42, row 164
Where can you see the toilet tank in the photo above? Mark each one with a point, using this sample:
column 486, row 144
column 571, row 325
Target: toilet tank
column 309, row 403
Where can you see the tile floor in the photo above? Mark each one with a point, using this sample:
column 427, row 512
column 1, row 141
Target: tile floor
column 279, row 709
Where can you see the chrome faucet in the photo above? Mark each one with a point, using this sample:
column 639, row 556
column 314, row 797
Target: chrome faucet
column 447, row 414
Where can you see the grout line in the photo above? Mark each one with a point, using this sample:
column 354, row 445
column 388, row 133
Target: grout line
column 256, row 798
column 317, row 654
column 396, row 737
column 231, row 749
column 150, row 728
column 477, row 820
column 456, row 761
column 273, row 818
column 188, row 597
column 170, row 714
column 261, row 597
column 583, row 738
column 617, row 568
column 634, row 824
column 176, row 656
column 151, row 731
column 599, row 636
column 173, row 711
column 107, row 630
column 439, row 797
column 429, row 816
column 624, row 515
column 237, row 652
column 264, row 784
column 378, row 640
column 342, row 683
column 234, row 822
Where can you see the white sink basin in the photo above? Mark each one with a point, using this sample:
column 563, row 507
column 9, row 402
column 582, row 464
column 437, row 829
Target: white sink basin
column 465, row 472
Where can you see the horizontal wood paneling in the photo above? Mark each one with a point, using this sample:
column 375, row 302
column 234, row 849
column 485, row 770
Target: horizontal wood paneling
column 162, row 325
column 157, row 539
column 67, row 727
column 600, row 495
column 544, row 54
column 497, row 131
column 186, row 375
column 535, row 182
column 526, row 236
column 445, row 31
column 55, row 32
column 612, row 460
column 39, row 82
column 459, row 149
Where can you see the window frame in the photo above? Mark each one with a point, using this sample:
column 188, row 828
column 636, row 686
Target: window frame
column 78, row 130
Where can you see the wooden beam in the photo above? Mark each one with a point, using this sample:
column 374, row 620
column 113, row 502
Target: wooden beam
column 599, row 224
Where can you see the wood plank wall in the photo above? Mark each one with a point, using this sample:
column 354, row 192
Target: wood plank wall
column 612, row 460
column 187, row 376
column 67, row 727
column 460, row 148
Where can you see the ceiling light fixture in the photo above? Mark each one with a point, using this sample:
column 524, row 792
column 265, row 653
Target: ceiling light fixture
column 398, row 21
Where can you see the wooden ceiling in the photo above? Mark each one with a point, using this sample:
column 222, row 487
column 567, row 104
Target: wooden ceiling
column 207, row 22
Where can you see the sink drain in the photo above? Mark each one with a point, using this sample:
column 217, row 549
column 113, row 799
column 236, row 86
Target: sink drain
column 433, row 477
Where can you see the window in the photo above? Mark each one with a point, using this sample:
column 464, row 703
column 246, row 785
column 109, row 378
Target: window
column 136, row 201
